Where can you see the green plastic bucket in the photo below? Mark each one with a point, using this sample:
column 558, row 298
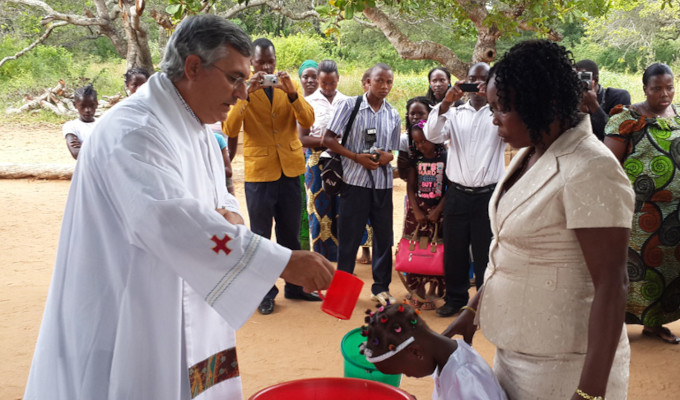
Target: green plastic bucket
column 356, row 365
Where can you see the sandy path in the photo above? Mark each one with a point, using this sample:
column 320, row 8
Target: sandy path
column 297, row 341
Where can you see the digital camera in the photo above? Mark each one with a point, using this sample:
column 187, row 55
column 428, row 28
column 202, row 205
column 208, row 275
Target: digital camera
column 586, row 77
column 269, row 80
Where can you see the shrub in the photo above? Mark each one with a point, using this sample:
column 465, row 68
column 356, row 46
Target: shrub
column 292, row 50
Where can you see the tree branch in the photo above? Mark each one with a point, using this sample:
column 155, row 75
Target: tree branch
column 408, row 49
column 41, row 39
column 275, row 6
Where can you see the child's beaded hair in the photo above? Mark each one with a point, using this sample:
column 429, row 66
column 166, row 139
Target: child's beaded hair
column 389, row 330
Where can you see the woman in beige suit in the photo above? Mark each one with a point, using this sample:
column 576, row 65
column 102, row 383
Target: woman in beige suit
column 555, row 288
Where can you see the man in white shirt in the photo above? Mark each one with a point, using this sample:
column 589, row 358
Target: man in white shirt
column 475, row 163
column 155, row 269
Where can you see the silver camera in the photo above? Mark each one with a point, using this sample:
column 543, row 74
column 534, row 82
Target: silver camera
column 586, row 77
column 269, row 80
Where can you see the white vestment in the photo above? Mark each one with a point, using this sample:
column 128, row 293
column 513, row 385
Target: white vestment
column 149, row 279
column 466, row 376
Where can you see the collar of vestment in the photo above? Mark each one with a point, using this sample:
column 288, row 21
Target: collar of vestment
column 184, row 103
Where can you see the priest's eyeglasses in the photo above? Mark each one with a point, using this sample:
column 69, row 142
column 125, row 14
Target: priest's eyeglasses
column 235, row 81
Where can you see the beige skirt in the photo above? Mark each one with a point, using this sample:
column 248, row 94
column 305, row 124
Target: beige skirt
column 531, row 377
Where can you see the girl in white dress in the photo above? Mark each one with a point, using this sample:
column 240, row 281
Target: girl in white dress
column 398, row 341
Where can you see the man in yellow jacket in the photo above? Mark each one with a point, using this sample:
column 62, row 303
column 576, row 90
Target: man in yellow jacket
column 273, row 156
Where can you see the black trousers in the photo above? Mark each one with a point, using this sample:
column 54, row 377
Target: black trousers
column 357, row 205
column 279, row 202
column 466, row 223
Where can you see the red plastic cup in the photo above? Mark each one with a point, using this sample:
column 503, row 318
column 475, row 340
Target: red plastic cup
column 342, row 295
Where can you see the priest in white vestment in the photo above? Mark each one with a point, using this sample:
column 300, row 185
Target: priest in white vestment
column 154, row 268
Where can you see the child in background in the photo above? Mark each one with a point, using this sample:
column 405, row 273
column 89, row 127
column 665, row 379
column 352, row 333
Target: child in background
column 425, row 189
column 134, row 78
column 216, row 129
column 364, row 79
column 398, row 341
column 78, row 130
column 228, row 172
column 417, row 108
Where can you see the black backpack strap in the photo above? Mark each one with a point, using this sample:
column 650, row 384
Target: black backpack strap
column 350, row 122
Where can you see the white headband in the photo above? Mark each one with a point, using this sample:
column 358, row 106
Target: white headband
column 369, row 354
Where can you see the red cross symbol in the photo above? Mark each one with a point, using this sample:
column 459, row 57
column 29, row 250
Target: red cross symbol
column 221, row 244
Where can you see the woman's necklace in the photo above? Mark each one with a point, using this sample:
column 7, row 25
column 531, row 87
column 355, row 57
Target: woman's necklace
column 520, row 171
column 525, row 162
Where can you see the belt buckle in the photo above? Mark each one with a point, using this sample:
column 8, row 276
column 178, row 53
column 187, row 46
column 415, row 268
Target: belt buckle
column 468, row 190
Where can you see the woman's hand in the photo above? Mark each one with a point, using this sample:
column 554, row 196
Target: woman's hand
column 420, row 216
column 464, row 325
column 434, row 214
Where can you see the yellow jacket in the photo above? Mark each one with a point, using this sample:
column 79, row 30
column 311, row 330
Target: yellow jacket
column 270, row 141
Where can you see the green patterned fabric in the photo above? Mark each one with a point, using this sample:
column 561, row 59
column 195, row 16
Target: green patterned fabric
column 304, row 222
column 654, row 251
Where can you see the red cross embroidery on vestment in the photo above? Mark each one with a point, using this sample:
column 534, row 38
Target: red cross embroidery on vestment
column 221, row 244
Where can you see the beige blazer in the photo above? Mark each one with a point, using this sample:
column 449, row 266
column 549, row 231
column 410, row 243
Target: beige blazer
column 538, row 291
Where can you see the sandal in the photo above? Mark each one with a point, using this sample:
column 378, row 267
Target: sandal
column 662, row 333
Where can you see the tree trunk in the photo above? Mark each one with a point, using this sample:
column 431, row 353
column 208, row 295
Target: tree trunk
column 139, row 53
column 485, row 48
column 38, row 171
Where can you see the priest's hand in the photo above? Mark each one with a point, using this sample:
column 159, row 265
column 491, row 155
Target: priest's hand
column 232, row 217
column 310, row 270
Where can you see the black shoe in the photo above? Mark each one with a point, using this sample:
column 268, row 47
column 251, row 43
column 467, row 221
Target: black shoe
column 266, row 306
column 302, row 296
column 448, row 310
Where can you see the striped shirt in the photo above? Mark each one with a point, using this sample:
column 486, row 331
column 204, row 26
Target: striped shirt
column 387, row 123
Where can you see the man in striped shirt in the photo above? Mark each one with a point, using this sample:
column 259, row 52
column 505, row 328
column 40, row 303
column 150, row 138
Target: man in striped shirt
column 366, row 157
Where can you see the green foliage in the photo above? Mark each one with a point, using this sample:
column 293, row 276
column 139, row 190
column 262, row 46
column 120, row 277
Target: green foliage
column 634, row 34
column 179, row 8
column 40, row 68
column 406, row 85
column 46, row 65
column 292, row 50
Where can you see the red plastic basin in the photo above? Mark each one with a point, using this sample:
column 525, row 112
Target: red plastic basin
column 331, row 389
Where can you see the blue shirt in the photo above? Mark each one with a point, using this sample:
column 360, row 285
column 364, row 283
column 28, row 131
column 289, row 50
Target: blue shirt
column 387, row 124
column 220, row 140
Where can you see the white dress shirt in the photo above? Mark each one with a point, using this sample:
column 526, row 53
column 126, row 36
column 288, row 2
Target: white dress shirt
column 323, row 111
column 476, row 152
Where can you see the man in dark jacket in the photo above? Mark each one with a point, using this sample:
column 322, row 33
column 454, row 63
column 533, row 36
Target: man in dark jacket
column 598, row 101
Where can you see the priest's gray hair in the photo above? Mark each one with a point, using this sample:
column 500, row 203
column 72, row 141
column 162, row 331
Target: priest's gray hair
column 206, row 36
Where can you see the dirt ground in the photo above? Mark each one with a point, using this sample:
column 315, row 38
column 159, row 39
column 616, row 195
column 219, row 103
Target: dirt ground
column 297, row 341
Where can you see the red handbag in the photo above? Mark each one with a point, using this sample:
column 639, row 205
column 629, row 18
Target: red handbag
column 420, row 255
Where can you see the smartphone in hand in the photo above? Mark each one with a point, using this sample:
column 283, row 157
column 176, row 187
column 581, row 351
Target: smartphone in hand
column 469, row 87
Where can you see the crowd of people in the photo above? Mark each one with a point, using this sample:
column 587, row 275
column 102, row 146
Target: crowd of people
column 574, row 239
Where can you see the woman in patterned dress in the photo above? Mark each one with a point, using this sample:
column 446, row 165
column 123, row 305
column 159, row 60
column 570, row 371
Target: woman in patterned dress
column 321, row 207
column 645, row 137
